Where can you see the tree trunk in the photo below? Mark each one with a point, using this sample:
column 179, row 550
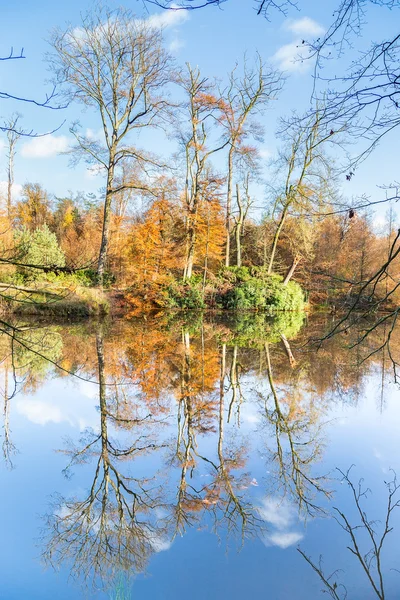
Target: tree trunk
column 102, row 396
column 238, row 247
column 238, row 230
column 190, row 257
column 190, row 246
column 206, row 253
column 288, row 350
column 221, row 399
column 276, row 238
column 292, row 269
column 105, row 236
column 10, row 182
column 229, row 207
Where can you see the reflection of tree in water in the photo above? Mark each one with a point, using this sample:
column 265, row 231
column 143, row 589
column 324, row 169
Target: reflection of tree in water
column 27, row 354
column 155, row 372
column 114, row 528
column 223, row 497
column 9, row 449
column 297, row 439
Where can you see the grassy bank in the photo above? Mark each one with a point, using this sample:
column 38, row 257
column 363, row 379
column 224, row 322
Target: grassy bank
column 234, row 290
column 54, row 299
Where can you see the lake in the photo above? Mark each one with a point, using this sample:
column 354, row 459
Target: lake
column 199, row 456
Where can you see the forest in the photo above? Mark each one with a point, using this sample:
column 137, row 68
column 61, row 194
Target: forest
column 214, row 224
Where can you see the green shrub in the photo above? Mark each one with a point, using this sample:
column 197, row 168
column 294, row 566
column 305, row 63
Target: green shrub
column 88, row 278
column 39, row 247
column 254, row 289
column 186, row 295
column 34, row 349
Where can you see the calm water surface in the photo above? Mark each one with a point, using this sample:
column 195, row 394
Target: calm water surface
column 166, row 457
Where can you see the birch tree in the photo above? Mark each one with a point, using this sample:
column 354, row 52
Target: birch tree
column 13, row 135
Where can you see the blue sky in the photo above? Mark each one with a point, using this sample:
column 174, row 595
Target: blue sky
column 214, row 39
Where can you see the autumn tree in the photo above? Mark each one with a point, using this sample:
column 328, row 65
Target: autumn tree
column 152, row 247
column 77, row 222
column 33, row 210
column 115, row 64
column 209, row 244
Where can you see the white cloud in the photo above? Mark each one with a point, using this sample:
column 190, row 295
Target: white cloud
column 305, row 27
column 283, row 540
column 15, row 190
column 175, row 45
column 162, row 20
column 379, row 222
column 88, row 389
column 74, row 404
column 41, row 413
column 168, row 18
column 264, row 153
column 44, row 147
column 158, row 543
column 95, row 135
column 277, row 512
column 281, row 515
column 94, row 171
column 291, row 57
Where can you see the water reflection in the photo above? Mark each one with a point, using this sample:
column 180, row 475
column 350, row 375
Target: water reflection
column 188, row 410
column 114, row 527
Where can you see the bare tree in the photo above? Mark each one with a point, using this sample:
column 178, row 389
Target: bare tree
column 224, row 496
column 46, row 103
column 371, row 561
column 201, row 107
column 246, row 95
column 367, row 93
column 306, row 172
column 185, row 4
column 116, row 64
column 302, row 436
column 243, row 205
column 113, row 529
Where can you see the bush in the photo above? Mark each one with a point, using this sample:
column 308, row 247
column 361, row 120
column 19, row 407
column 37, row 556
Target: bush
column 186, row 295
column 235, row 288
column 88, row 278
column 39, row 247
column 254, row 289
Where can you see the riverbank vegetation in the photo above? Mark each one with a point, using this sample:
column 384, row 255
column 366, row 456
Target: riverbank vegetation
column 49, row 245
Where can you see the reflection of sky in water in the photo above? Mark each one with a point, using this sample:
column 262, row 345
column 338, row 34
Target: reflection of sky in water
column 200, row 563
